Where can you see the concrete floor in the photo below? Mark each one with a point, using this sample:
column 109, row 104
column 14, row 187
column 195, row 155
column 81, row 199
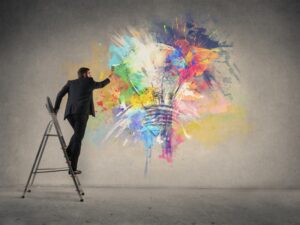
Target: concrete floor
column 138, row 206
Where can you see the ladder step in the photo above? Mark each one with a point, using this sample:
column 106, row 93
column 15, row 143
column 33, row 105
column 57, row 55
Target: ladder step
column 49, row 170
column 51, row 135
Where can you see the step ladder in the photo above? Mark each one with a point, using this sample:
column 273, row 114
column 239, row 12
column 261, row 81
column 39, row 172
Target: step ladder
column 35, row 167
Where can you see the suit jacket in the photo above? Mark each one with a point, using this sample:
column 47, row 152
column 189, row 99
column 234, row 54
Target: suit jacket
column 80, row 96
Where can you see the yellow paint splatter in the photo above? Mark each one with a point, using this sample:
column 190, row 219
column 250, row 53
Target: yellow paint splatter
column 146, row 98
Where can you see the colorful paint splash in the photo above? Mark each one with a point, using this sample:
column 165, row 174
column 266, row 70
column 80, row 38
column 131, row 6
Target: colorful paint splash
column 173, row 83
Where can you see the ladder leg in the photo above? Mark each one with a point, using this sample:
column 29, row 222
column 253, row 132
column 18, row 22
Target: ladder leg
column 79, row 185
column 74, row 177
column 40, row 157
column 36, row 159
column 78, row 189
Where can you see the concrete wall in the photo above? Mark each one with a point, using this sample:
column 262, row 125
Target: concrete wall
column 39, row 38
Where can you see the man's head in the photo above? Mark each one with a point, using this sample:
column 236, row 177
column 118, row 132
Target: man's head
column 83, row 72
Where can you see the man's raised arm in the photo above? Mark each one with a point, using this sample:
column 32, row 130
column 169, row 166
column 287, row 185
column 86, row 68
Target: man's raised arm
column 105, row 82
column 101, row 84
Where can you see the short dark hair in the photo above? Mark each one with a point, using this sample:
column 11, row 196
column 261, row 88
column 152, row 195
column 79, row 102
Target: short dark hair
column 82, row 71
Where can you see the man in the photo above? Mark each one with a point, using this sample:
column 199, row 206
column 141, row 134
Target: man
column 79, row 106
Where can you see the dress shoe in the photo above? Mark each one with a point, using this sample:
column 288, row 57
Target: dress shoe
column 76, row 172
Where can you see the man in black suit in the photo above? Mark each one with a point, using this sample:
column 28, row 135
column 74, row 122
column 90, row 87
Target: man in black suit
column 79, row 106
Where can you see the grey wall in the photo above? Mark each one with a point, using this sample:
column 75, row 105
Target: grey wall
column 38, row 38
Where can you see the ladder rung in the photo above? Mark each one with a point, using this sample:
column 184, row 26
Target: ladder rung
column 52, row 135
column 49, row 170
column 53, row 168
